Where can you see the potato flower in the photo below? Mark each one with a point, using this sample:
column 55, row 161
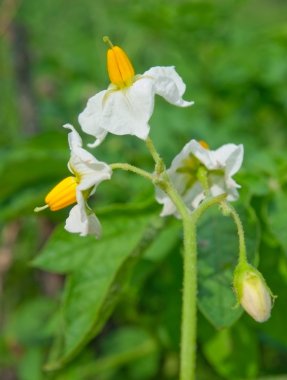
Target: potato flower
column 87, row 172
column 220, row 165
column 128, row 103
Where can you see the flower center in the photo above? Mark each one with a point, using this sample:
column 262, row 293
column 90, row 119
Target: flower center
column 120, row 69
column 190, row 168
column 62, row 195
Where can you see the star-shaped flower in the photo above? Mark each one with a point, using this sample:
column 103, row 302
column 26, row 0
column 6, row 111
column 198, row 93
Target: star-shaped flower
column 220, row 165
column 128, row 103
column 87, row 172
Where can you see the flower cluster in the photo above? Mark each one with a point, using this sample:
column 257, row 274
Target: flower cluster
column 125, row 108
column 196, row 173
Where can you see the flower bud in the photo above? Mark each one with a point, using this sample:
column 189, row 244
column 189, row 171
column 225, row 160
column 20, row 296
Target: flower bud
column 252, row 292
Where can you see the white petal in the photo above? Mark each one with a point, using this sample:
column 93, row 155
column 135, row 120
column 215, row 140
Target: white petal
column 234, row 162
column 194, row 196
column 90, row 171
column 168, row 84
column 218, row 185
column 90, row 119
column 168, row 206
column 74, row 138
column 89, row 226
column 230, row 156
column 82, row 220
column 84, row 164
column 100, row 138
column 203, row 155
column 120, row 112
column 221, row 184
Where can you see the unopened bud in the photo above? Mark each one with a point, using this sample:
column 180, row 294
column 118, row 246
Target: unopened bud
column 252, row 292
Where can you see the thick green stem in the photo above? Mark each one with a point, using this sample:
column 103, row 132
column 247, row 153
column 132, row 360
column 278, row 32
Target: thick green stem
column 189, row 297
column 189, row 304
column 189, row 301
column 188, row 321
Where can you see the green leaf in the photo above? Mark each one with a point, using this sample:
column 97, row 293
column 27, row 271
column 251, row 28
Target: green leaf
column 276, row 218
column 218, row 254
column 165, row 241
column 131, row 350
column 279, row 377
column 28, row 172
column 99, row 272
column 65, row 252
column 233, row 352
column 134, row 348
column 273, row 266
column 30, row 366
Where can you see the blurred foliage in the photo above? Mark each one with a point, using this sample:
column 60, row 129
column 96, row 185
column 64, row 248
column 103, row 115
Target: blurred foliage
column 118, row 314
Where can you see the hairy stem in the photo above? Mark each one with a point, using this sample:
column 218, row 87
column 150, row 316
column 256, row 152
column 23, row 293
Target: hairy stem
column 134, row 169
column 189, row 298
column 234, row 214
column 159, row 164
column 189, row 302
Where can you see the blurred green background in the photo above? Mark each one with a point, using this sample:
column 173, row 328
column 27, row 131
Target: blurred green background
column 232, row 55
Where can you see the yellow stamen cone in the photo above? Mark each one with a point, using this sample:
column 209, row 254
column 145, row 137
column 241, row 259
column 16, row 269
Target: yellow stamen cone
column 120, row 69
column 63, row 194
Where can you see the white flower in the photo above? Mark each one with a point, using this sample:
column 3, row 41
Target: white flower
column 252, row 292
column 87, row 172
column 128, row 103
column 220, row 164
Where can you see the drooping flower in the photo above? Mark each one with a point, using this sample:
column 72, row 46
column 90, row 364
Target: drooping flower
column 252, row 292
column 87, row 173
column 128, row 103
column 220, row 165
